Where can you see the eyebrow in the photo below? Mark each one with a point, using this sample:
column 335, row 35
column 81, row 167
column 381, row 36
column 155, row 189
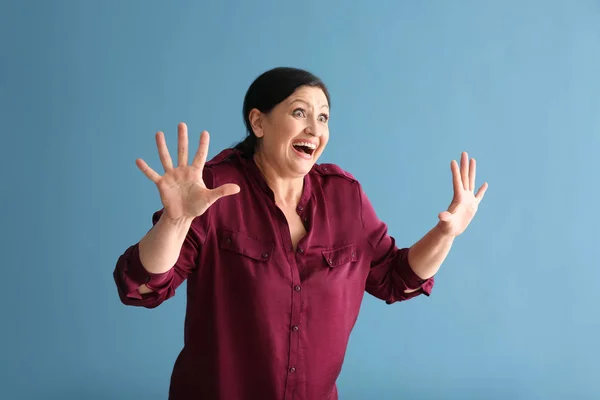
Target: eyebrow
column 306, row 103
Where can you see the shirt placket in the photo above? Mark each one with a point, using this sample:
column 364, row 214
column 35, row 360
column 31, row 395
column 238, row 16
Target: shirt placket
column 294, row 369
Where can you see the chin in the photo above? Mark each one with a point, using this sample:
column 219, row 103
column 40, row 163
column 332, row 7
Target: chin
column 301, row 170
column 303, row 166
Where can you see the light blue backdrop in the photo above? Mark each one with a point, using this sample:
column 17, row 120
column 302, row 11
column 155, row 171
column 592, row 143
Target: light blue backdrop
column 85, row 85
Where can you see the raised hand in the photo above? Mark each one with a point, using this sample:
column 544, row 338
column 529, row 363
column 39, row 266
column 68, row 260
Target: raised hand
column 465, row 202
column 182, row 190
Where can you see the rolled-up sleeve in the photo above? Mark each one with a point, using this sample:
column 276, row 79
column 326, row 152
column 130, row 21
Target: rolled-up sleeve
column 130, row 274
column 391, row 277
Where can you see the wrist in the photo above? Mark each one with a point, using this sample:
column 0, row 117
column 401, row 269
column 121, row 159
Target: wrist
column 183, row 222
column 441, row 230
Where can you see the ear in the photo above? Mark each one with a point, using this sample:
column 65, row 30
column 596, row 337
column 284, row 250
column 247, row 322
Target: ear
column 256, row 121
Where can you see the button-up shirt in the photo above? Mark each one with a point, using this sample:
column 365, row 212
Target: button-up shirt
column 265, row 321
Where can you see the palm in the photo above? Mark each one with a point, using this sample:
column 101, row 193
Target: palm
column 465, row 202
column 182, row 190
column 183, row 195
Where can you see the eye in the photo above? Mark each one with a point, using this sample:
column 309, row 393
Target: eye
column 323, row 117
column 299, row 112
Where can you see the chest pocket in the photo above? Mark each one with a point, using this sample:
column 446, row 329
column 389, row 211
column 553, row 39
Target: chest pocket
column 344, row 255
column 244, row 245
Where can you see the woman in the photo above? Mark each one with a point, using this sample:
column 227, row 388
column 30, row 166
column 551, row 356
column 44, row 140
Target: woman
column 276, row 249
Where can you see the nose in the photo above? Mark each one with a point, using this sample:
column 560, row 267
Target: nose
column 312, row 130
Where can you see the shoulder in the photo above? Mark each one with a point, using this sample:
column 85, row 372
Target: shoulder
column 225, row 167
column 226, row 158
column 336, row 182
column 330, row 171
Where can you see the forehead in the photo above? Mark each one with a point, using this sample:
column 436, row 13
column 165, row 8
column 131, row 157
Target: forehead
column 308, row 94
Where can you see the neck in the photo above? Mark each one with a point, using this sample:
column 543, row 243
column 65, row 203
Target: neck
column 287, row 190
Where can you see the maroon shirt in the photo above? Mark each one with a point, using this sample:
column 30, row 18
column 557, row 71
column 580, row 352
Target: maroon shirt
column 264, row 321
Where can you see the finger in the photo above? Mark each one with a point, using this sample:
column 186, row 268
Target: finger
column 163, row 152
column 200, row 157
column 149, row 172
column 456, row 182
column 464, row 170
column 472, row 173
column 481, row 192
column 182, row 147
column 227, row 189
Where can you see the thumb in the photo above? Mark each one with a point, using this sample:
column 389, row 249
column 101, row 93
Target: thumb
column 445, row 216
column 227, row 189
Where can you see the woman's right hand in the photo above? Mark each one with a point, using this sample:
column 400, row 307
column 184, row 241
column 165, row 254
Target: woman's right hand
column 182, row 191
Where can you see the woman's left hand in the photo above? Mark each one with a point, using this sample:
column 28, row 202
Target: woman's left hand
column 465, row 202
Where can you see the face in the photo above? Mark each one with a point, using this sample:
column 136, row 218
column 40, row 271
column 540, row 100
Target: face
column 295, row 133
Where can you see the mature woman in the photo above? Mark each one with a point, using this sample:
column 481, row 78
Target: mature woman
column 277, row 250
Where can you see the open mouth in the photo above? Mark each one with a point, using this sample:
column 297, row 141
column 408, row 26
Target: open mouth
column 305, row 149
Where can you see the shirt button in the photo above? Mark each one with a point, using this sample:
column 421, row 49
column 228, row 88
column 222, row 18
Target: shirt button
column 295, row 328
column 265, row 255
column 300, row 250
column 292, row 370
column 297, row 288
column 300, row 208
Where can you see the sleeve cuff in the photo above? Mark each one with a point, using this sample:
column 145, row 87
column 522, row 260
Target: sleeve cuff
column 412, row 280
column 134, row 275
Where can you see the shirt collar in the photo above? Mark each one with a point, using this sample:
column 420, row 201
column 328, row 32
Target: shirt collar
column 251, row 169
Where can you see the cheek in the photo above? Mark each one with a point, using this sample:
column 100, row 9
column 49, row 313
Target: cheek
column 279, row 136
column 288, row 131
column 325, row 138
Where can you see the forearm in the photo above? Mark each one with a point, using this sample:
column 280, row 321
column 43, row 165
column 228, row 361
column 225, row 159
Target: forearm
column 427, row 255
column 160, row 248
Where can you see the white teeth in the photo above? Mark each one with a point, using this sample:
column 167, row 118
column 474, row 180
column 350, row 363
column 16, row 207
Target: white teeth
column 306, row 144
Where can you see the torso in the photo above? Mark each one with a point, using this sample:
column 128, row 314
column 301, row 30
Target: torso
column 247, row 288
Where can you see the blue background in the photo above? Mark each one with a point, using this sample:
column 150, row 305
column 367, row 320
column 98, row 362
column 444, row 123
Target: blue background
column 85, row 85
